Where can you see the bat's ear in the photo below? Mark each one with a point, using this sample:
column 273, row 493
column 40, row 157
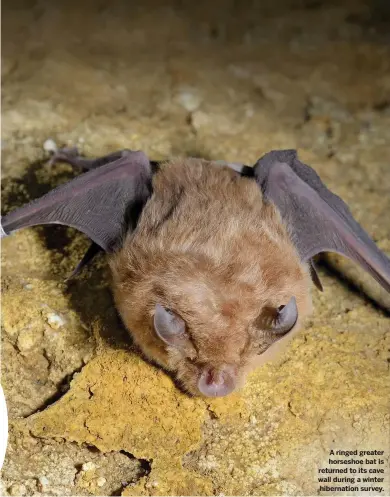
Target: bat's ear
column 102, row 203
column 169, row 326
column 317, row 219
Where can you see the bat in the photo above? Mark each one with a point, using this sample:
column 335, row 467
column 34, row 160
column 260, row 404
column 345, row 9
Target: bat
column 211, row 262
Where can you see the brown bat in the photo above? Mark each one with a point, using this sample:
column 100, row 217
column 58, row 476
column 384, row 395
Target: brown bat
column 211, row 262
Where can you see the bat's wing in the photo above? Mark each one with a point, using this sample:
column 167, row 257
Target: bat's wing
column 317, row 219
column 101, row 202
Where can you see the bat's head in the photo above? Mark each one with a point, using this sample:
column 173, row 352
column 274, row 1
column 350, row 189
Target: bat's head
column 210, row 325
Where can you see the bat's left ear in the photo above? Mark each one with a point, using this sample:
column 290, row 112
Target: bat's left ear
column 317, row 220
column 170, row 327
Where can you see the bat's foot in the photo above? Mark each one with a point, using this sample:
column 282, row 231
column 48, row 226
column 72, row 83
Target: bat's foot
column 72, row 156
column 87, row 258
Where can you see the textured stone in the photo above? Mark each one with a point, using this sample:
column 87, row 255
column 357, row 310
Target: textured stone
column 191, row 79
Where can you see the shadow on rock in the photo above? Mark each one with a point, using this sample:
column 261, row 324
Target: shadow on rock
column 38, row 180
column 88, row 293
column 351, row 285
column 90, row 296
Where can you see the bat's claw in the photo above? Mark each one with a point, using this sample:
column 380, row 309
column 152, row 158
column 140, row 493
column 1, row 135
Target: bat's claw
column 67, row 154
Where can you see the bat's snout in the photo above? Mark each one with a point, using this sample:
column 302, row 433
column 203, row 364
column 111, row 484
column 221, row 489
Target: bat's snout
column 217, row 382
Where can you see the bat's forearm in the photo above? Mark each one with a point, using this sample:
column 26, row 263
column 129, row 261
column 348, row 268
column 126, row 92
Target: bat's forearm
column 72, row 156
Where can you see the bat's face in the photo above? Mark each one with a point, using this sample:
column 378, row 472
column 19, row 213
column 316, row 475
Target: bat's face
column 211, row 325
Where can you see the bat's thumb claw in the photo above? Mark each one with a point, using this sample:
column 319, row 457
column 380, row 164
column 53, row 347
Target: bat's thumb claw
column 63, row 154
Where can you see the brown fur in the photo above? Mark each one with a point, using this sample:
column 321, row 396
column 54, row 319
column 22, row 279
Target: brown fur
column 210, row 249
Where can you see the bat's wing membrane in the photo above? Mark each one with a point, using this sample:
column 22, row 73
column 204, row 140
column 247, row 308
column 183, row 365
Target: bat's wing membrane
column 105, row 200
column 98, row 202
column 318, row 220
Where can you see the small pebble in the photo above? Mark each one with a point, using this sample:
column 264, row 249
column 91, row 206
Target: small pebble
column 189, row 99
column 88, row 466
column 17, row 489
column 50, row 146
column 42, row 482
column 239, row 72
column 55, row 321
column 100, row 482
column 27, row 339
column 199, row 119
column 249, row 111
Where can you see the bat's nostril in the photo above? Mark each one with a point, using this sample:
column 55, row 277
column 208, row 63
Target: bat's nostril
column 213, row 377
column 217, row 382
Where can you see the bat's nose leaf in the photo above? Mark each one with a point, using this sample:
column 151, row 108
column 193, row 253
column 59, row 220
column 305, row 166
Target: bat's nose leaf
column 217, row 382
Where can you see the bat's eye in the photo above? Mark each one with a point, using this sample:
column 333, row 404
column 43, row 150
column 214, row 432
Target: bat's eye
column 169, row 326
column 286, row 317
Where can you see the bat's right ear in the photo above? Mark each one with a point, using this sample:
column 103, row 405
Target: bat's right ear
column 98, row 202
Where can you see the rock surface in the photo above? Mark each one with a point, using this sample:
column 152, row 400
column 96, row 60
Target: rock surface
column 220, row 80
